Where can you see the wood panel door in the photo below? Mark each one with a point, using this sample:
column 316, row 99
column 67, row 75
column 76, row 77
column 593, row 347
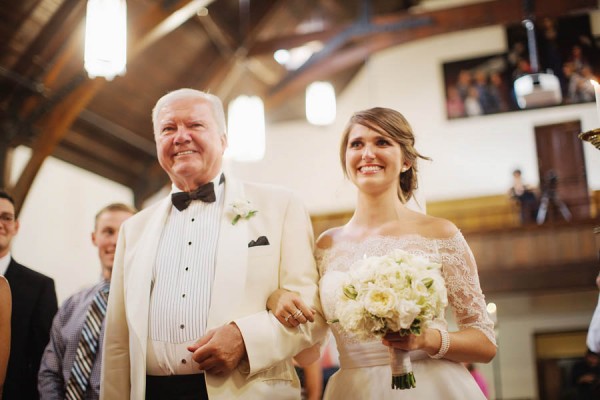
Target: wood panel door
column 562, row 172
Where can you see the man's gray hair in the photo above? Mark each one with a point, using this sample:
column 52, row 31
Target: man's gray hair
column 186, row 93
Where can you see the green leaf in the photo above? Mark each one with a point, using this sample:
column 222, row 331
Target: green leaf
column 350, row 292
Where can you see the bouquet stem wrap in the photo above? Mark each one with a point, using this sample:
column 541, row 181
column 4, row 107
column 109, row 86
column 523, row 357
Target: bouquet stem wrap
column 402, row 374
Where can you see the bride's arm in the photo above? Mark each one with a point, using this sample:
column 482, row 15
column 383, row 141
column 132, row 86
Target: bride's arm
column 289, row 309
column 475, row 341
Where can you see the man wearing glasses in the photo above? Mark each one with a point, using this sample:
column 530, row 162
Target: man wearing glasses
column 33, row 307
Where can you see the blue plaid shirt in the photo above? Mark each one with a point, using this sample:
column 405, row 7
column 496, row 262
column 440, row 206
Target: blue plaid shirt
column 59, row 355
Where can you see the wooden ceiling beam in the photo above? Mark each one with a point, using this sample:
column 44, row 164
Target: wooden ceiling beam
column 55, row 127
column 59, row 120
column 27, row 11
column 105, row 153
column 270, row 46
column 118, row 132
column 159, row 27
column 444, row 21
column 154, row 179
column 233, row 69
column 73, row 156
column 6, row 152
column 48, row 39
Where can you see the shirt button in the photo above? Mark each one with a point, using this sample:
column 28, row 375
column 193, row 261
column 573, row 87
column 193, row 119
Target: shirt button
column 182, row 326
column 186, row 268
column 193, row 219
column 190, row 243
column 183, row 361
column 183, row 295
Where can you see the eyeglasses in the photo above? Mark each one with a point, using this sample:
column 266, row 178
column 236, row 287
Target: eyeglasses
column 7, row 218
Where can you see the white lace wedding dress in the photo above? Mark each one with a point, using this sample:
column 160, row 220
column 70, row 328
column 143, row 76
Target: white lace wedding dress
column 364, row 367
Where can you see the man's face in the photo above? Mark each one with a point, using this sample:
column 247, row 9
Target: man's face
column 105, row 238
column 9, row 226
column 188, row 142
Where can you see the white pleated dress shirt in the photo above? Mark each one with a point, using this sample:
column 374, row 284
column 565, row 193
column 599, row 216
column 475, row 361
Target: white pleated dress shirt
column 182, row 282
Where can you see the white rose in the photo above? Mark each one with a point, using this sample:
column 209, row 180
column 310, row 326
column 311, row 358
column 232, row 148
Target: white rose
column 380, row 301
column 241, row 208
column 350, row 315
column 407, row 310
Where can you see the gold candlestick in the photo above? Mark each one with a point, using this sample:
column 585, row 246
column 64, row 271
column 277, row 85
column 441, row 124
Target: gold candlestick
column 592, row 136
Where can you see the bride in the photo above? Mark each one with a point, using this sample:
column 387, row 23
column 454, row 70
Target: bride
column 378, row 156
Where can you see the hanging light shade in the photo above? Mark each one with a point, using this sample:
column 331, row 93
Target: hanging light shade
column 246, row 129
column 106, row 38
column 320, row 103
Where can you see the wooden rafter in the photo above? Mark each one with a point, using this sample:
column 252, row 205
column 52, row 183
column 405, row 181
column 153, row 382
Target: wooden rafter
column 5, row 164
column 234, row 55
column 58, row 121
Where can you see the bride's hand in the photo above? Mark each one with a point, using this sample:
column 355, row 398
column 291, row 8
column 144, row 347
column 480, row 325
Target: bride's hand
column 289, row 309
column 425, row 341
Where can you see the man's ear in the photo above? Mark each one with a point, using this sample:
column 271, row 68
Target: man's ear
column 224, row 142
column 17, row 225
column 94, row 239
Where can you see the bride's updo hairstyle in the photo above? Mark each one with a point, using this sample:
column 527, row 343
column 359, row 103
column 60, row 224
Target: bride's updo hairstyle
column 392, row 124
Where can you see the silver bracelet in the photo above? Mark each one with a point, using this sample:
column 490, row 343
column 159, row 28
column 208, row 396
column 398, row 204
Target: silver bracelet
column 444, row 346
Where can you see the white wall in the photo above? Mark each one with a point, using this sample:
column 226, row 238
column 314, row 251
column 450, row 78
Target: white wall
column 57, row 220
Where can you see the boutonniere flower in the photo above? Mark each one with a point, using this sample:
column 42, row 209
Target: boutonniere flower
column 241, row 209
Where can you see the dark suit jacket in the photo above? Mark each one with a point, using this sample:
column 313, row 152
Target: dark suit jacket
column 33, row 307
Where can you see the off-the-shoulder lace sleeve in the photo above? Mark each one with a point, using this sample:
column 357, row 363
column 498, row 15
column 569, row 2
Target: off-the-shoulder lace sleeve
column 462, row 280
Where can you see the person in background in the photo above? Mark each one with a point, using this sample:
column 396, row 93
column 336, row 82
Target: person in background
column 5, row 306
column 479, row 378
column 314, row 376
column 34, row 304
column 63, row 371
column 311, row 379
column 586, row 377
column 524, row 197
column 186, row 317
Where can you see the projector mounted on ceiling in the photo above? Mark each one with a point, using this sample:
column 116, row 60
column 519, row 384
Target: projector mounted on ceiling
column 536, row 89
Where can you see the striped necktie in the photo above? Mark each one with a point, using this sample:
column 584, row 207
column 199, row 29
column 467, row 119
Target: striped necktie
column 87, row 347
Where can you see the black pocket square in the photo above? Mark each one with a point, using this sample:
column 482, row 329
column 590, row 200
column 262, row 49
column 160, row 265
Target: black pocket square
column 261, row 241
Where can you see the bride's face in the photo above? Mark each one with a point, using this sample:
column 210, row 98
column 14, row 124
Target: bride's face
column 373, row 160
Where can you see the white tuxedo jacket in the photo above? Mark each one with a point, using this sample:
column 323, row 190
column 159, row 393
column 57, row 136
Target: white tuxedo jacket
column 244, row 279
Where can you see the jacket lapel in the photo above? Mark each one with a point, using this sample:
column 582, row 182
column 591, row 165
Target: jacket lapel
column 232, row 258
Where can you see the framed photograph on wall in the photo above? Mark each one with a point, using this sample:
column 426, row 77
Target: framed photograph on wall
column 566, row 52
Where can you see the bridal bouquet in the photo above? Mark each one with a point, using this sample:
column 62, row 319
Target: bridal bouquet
column 398, row 292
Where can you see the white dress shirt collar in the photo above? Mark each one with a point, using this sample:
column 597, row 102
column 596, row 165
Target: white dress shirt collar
column 4, row 261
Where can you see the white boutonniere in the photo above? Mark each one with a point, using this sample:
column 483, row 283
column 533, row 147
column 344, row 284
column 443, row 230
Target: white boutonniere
column 241, row 209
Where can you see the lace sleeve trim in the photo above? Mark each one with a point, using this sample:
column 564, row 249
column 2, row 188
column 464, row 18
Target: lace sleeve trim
column 462, row 281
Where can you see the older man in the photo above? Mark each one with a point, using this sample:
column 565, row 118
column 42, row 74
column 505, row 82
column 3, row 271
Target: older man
column 187, row 314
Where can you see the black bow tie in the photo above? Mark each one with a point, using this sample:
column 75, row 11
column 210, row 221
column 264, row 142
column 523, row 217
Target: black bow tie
column 206, row 193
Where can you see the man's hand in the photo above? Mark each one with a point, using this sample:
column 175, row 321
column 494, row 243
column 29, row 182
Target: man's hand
column 220, row 350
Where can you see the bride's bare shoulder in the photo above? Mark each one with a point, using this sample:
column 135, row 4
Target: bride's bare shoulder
column 328, row 238
column 436, row 227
